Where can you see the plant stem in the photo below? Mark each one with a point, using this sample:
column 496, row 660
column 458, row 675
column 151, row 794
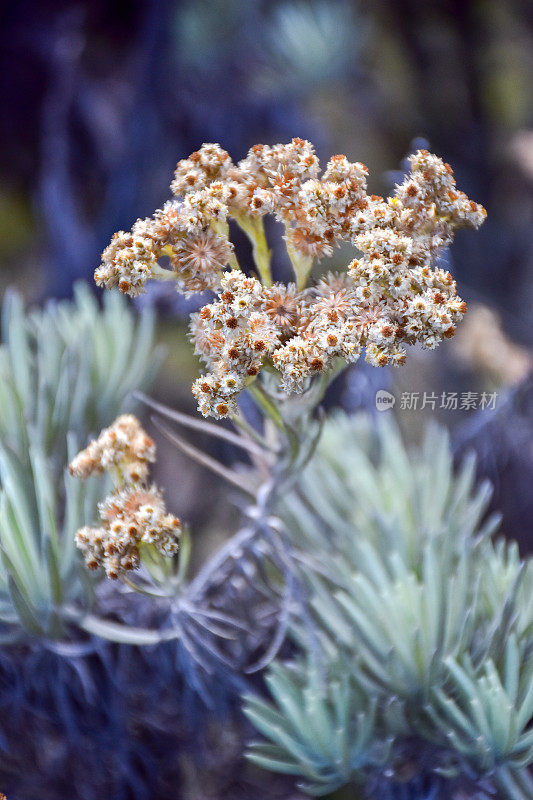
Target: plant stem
column 266, row 405
column 302, row 265
column 255, row 231
column 240, row 421
column 326, row 379
column 162, row 274
column 221, row 227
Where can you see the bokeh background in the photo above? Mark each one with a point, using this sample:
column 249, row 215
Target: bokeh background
column 101, row 98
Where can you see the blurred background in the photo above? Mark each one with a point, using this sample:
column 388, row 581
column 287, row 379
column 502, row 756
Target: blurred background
column 102, row 98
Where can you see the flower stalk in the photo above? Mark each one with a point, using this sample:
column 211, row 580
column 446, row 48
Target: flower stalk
column 255, row 231
column 302, row 264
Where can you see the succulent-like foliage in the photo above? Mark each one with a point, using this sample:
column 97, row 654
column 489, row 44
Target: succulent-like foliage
column 323, row 731
column 429, row 623
column 64, row 372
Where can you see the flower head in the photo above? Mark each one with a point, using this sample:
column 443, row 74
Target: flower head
column 199, row 260
column 124, row 444
column 390, row 296
column 283, row 307
column 134, row 514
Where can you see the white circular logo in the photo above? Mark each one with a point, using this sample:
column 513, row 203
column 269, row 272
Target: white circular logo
column 384, row 400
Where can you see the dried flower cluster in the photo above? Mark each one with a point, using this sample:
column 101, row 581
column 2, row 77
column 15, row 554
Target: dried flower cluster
column 134, row 514
column 390, row 296
column 124, row 447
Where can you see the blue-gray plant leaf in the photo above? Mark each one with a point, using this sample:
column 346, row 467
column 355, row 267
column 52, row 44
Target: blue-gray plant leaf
column 65, row 371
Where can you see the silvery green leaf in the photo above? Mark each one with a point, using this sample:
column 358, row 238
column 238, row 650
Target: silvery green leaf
column 65, row 371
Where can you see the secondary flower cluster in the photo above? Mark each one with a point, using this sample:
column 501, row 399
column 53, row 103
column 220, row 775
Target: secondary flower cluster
column 123, row 447
column 390, row 296
column 134, row 514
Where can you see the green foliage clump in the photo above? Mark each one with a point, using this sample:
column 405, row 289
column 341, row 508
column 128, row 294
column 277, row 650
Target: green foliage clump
column 64, row 372
column 417, row 669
